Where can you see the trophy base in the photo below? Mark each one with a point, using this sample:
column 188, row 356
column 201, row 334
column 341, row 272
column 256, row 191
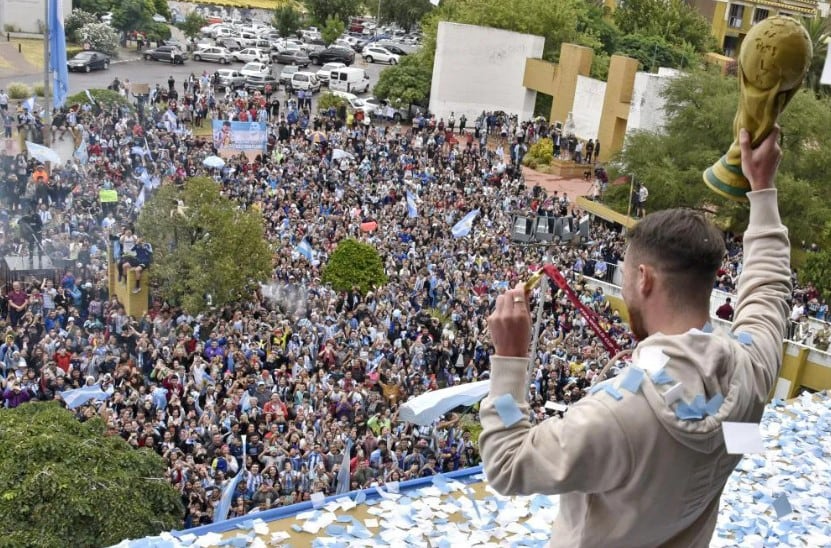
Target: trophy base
column 727, row 180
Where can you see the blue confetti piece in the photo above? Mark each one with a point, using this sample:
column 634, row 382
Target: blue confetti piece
column 508, row 410
column 360, row 498
column 296, row 528
column 662, row 377
column 440, row 482
column 404, row 501
column 335, row 530
column 596, row 388
column 685, row 412
column 699, row 403
column 444, row 543
column 345, row 519
column 633, row 379
column 360, row 532
column 612, row 391
column 246, row 525
column 714, row 405
column 782, row 506
column 439, row 521
column 371, row 502
column 744, row 338
column 472, row 496
column 708, row 328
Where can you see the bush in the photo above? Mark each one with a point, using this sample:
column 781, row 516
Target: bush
column 354, row 264
column 100, row 37
column 73, row 50
column 104, row 97
column 18, row 90
column 328, row 100
column 541, row 153
column 40, row 90
column 76, row 21
column 73, row 483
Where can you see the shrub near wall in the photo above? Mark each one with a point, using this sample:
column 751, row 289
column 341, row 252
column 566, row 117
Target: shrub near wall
column 540, row 154
column 18, row 90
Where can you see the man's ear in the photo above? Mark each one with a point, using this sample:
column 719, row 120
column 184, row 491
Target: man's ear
column 647, row 281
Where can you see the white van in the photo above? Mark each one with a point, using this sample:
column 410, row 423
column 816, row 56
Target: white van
column 349, row 79
column 355, row 102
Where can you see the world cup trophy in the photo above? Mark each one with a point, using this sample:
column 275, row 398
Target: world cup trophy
column 773, row 61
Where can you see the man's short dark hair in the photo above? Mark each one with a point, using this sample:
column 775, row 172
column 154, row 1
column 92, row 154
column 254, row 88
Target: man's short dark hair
column 683, row 245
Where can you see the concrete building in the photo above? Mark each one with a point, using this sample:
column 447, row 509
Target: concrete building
column 27, row 15
column 731, row 20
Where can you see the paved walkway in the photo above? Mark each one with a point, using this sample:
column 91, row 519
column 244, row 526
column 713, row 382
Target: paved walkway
column 574, row 187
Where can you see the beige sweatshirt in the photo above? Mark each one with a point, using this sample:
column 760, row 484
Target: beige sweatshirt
column 630, row 472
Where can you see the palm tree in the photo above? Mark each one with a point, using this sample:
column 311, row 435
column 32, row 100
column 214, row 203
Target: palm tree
column 819, row 31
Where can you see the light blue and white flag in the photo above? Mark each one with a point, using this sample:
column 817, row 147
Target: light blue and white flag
column 305, row 249
column 464, row 226
column 412, row 210
column 81, row 153
column 141, row 198
column 57, row 53
column 221, row 512
column 343, row 474
column 77, row 397
column 89, row 96
column 29, row 104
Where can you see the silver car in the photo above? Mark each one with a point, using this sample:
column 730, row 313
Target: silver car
column 213, row 53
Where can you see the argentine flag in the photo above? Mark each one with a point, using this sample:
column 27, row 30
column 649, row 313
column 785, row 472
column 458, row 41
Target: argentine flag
column 57, row 53
column 221, row 512
column 305, row 249
column 412, row 210
column 463, row 227
column 29, row 104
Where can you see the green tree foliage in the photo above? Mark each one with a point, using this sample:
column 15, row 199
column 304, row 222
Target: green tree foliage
column 540, row 153
column 286, row 20
column 408, row 82
column 93, row 6
column 73, row 23
column 819, row 30
column 332, row 30
column 405, row 13
column 654, row 52
column 321, row 10
column 162, row 8
column 130, row 15
column 328, row 99
column 104, row 97
column 68, row 483
column 676, row 21
column 700, row 109
column 354, row 264
column 203, row 244
column 192, row 23
column 817, row 270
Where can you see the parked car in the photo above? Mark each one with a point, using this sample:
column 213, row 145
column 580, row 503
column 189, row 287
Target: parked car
column 255, row 68
column 87, row 61
column 291, row 57
column 379, row 54
column 323, row 73
column 250, row 54
column 213, row 53
column 333, row 54
column 306, row 81
column 313, row 46
column 354, row 102
column 159, row 18
column 258, row 83
column 231, row 44
column 286, row 74
column 170, row 54
column 393, row 48
column 230, row 78
column 383, row 109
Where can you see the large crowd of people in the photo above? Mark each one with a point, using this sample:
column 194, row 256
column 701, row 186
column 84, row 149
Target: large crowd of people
column 302, row 371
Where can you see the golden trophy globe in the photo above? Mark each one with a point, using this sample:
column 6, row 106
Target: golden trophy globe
column 773, row 61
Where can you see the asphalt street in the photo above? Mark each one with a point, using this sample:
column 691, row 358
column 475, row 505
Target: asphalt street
column 152, row 72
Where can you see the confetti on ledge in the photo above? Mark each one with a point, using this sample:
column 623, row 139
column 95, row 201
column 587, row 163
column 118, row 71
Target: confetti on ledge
column 779, row 498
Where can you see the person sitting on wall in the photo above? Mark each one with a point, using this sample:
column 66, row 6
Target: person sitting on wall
column 139, row 261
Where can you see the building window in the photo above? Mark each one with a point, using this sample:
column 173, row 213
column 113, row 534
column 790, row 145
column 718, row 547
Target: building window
column 760, row 14
column 736, row 15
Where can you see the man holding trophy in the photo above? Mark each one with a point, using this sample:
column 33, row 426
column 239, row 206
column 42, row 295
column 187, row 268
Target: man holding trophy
column 642, row 460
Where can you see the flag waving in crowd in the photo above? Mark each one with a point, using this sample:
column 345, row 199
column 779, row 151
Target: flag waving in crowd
column 465, row 225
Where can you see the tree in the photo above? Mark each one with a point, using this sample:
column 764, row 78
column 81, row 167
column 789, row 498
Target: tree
column 100, row 37
column 203, row 245
column 71, row 483
column 405, row 13
column 817, row 270
column 192, row 23
column 286, row 20
column 73, row 23
column 130, row 15
column 93, row 6
column 700, row 107
column 321, row 10
column 104, row 97
column 162, row 8
column 408, row 82
column 675, row 21
column 332, row 30
column 654, row 52
column 354, row 264
column 819, row 30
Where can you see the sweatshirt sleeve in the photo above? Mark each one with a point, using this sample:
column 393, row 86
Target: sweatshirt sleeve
column 584, row 451
column 764, row 289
